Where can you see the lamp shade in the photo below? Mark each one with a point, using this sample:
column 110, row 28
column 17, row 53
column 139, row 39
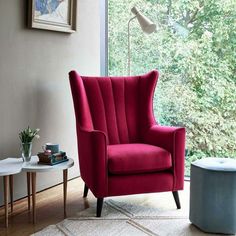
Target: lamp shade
column 147, row 25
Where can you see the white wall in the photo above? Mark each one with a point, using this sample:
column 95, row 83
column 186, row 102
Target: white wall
column 34, row 86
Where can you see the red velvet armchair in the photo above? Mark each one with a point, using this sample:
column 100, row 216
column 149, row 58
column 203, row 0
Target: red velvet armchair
column 122, row 150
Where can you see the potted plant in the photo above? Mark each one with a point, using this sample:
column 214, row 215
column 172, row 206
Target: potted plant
column 26, row 137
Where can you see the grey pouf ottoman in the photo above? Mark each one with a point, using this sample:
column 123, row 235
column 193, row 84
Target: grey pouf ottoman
column 213, row 195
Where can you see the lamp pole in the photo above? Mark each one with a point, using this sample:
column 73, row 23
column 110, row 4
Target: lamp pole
column 128, row 70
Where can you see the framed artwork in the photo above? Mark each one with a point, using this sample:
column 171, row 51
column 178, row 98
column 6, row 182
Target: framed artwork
column 57, row 15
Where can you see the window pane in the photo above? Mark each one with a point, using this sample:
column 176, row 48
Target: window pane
column 194, row 51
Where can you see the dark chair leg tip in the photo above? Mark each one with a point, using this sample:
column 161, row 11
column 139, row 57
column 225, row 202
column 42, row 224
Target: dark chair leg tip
column 98, row 215
column 99, row 207
column 85, row 191
column 176, row 197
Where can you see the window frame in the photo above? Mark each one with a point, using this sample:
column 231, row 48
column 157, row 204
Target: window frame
column 104, row 37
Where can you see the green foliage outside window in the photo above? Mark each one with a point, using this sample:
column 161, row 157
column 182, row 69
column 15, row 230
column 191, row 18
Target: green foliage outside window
column 194, row 49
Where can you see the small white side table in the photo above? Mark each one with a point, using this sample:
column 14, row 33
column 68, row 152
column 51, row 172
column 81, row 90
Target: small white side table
column 9, row 167
column 33, row 167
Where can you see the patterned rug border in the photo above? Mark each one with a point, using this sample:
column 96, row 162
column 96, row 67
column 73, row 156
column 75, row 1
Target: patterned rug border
column 142, row 228
column 112, row 204
column 63, row 230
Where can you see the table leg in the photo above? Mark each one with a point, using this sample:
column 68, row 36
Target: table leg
column 33, row 179
column 65, row 176
column 11, row 191
column 28, row 189
column 6, row 189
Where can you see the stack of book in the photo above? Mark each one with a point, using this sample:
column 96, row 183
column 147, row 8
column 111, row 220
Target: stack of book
column 52, row 159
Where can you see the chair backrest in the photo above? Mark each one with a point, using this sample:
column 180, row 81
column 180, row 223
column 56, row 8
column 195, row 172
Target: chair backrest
column 122, row 107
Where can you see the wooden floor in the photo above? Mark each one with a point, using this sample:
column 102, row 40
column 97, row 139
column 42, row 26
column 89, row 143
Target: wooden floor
column 49, row 209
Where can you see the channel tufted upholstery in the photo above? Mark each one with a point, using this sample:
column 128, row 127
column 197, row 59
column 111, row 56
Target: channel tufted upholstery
column 122, row 150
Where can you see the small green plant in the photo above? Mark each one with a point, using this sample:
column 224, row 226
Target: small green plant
column 28, row 134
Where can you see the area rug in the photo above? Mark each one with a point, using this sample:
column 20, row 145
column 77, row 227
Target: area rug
column 135, row 215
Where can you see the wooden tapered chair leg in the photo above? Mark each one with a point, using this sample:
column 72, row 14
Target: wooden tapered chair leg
column 176, row 197
column 11, row 191
column 85, row 190
column 99, row 206
column 28, row 188
column 6, row 190
column 65, row 178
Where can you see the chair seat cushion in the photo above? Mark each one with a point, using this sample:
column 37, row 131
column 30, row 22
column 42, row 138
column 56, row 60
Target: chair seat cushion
column 137, row 158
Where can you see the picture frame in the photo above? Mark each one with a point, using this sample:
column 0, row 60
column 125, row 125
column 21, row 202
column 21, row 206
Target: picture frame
column 56, row 15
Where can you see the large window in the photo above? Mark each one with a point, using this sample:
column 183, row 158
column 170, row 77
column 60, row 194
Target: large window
column 194, row 49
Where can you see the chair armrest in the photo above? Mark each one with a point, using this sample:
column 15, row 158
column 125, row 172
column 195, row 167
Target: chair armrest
column 171, row 139
column 93, row 160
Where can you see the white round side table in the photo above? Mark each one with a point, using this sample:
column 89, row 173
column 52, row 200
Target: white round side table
column 33, row 167
column 8, row 168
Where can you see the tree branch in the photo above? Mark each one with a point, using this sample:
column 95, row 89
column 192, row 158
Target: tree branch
column 169, row 8
column 193, row 17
